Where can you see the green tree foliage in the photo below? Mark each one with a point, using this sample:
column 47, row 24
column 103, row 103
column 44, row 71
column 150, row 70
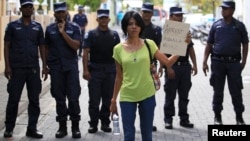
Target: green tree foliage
column 155, row 2
column 205, row 6
column 93, row 4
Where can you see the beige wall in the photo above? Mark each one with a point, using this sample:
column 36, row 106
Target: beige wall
column 4, row 20
column 2, row 7
column 43, row 19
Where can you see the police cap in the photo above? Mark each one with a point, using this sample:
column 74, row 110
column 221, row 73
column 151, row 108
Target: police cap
column 60, row 6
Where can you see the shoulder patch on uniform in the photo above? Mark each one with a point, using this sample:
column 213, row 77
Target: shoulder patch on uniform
column 218, row 26
column 69, row 31
column 35, row 28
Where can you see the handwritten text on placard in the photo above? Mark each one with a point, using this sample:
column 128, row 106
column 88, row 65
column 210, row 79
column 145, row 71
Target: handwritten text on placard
column 174, row 36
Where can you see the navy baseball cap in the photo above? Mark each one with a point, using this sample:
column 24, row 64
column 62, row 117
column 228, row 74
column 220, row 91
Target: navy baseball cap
column 25, row 2
column 80, row 8
column 228, row 4
column 147, row 7
column 102, row 13
column 176, row 10
column 61, row 6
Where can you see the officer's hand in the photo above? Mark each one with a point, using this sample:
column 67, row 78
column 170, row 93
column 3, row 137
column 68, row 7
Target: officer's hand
column 243, row 65
column 205, row 68
column 61, row 26
column 188, row 38
column 8, row 73
column 171, row 73
column 45, row 73
column 86, row 75
column 194, row 70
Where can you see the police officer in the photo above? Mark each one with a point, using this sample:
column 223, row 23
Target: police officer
column 63, row 40
column 151, row 31
column 21, row 42
column 99, row 70
column 181, row 83
column 81, row 19
column 228, row 59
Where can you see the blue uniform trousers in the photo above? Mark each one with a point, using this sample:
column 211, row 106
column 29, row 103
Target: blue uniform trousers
column 181, row 84
column 66, row 84
column 232, row 71
column 101, row 86
column 20, row 77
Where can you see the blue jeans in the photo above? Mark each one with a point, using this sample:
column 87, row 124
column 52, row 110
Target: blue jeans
column 146, row 112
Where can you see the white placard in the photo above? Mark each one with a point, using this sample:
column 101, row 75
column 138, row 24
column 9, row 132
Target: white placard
column 173, row 38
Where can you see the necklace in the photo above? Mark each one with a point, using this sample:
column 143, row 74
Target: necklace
column 133, row 48
column 133, row 55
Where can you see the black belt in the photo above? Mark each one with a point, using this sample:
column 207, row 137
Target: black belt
column 180, row 63
column 232, row 58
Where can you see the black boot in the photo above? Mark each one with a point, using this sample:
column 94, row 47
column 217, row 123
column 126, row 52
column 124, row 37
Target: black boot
column 239, row 120
column 75, row 129
column 62, row 131
column 217, row 119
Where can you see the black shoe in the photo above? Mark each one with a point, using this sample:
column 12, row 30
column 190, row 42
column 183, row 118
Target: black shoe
column 105, row 128
column 154, row 128
column 168, row 126
column 240, row 121
column 75, row 129
column 7, row 134
column 76, row 134
column 186, row 123
column 92, row 129
column 34, row 134
column 217, row 120
column 62, row 132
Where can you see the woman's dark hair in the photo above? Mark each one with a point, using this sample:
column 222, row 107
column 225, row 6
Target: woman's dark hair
column 135, row 15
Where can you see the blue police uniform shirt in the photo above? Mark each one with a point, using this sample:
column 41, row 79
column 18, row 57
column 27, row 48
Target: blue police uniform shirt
column 153, row 32
column 80, row 19
column 24, row 43
column 101, row 44
column 61, row 56
column 227, row 38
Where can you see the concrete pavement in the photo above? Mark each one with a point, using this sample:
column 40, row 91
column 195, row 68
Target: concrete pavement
column 200, row 111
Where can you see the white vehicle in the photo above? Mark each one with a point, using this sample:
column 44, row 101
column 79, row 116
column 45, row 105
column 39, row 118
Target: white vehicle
column 159, row 16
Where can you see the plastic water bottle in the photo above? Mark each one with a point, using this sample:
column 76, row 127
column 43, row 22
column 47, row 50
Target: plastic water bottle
column 116, row 127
